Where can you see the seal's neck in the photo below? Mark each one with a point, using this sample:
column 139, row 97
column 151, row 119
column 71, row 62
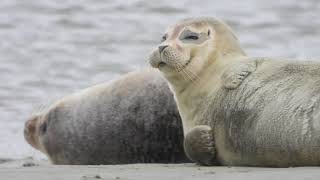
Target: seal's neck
column 211, row 69
column 190, row 95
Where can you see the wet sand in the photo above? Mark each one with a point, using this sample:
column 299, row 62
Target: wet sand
column 29, row 169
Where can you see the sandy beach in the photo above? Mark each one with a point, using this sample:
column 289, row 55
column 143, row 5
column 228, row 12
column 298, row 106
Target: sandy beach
column 34, row 170
column 50, row 49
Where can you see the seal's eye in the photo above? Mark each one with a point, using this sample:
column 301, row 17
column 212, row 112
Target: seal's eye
column 188, row 36
column 164, row 38
column 191, row 37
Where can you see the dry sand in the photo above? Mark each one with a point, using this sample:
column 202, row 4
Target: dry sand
column 42, row 170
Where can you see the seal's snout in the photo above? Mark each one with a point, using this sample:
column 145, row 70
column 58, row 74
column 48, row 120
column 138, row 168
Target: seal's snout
column 29, row 127
column 166, row 55
column 30, row 131
column 161, row 49
column 155, row 60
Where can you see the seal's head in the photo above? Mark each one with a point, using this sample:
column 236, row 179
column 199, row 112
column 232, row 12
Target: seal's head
column 193, row 44
column 33, row 130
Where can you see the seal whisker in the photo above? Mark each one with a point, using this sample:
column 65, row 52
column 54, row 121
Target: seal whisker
column 190, row 72
column 191, row 76
column 194, row 78
column 188, row 75
column 180, row 70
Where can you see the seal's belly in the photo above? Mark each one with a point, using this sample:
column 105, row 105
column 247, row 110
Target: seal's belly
column 267, row 148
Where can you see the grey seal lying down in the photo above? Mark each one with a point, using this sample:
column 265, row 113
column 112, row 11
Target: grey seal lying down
column 237, row 110
column 132, row 120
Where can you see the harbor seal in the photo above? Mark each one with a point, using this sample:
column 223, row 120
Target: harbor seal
column 238, row 110
column 132, row 120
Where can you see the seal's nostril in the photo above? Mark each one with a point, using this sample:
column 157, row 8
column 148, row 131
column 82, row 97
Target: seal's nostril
column 161, row 48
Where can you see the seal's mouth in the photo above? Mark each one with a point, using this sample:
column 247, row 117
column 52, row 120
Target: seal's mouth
column 179, row 69
column 161, row 64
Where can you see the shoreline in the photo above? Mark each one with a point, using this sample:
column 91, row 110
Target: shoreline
column 33, row 169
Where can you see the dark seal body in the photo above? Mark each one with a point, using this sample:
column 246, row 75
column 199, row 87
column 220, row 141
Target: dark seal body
column 132, row 120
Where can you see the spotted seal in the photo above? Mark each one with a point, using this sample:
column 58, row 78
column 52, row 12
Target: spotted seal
column 134, row 119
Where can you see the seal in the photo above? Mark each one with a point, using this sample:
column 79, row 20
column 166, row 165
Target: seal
column 132, row 120
column 237, row 110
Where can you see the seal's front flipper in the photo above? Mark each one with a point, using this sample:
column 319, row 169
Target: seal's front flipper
column 236, row 73
column 199, row 145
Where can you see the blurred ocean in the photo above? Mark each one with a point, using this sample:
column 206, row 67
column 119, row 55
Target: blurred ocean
column 51, row 48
